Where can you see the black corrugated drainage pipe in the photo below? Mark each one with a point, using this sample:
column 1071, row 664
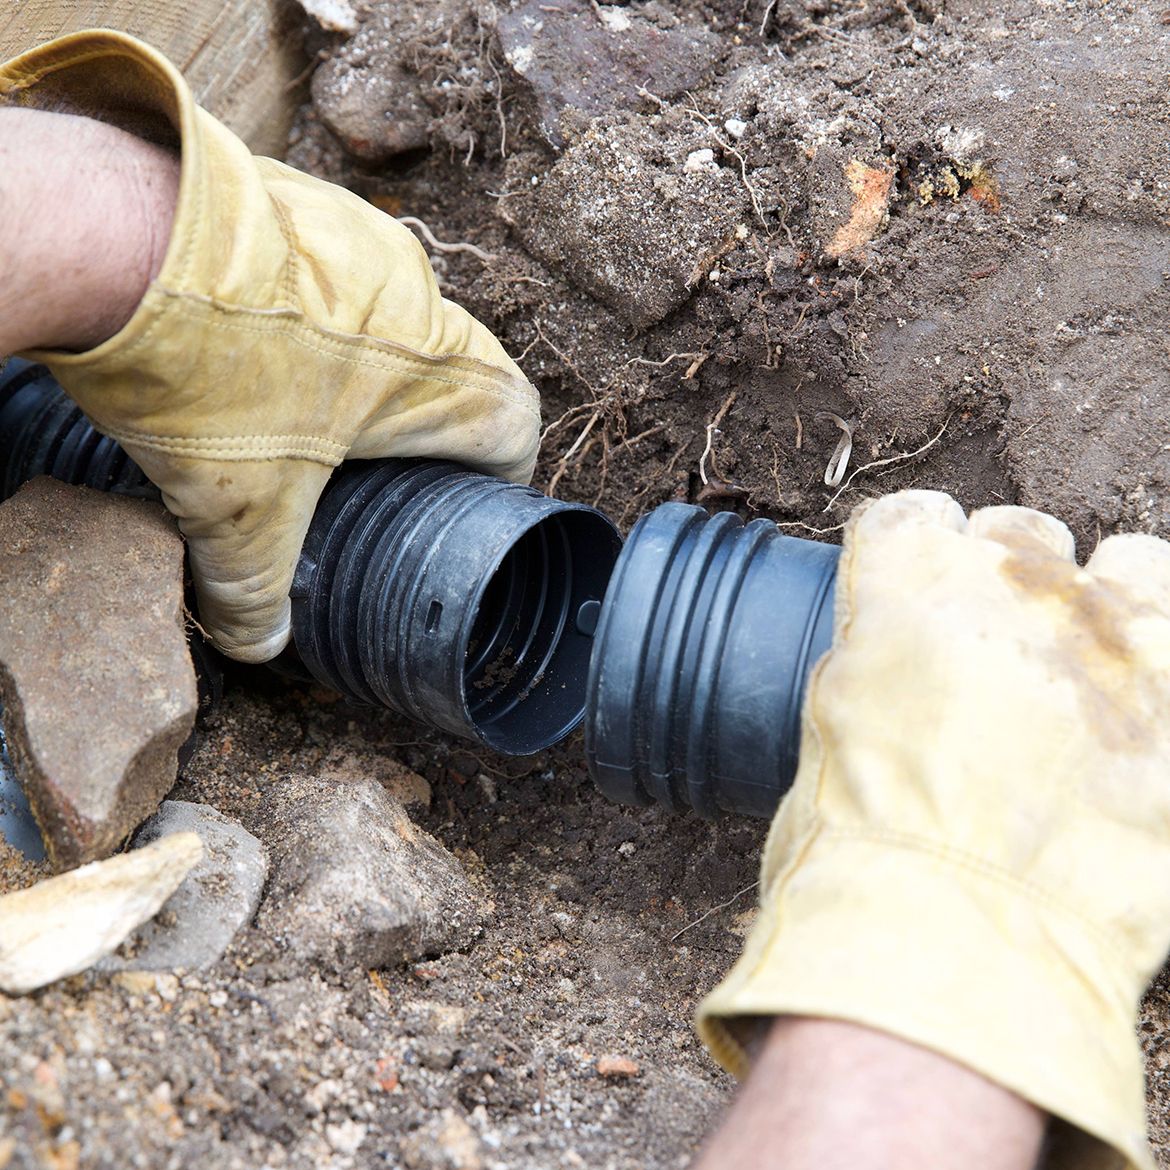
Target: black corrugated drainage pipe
column 488, row 610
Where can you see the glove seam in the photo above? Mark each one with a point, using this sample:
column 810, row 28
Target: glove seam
column 979, row 866
column 413, row 360
column 239, row 448
column 290, row 281
column 400, row 359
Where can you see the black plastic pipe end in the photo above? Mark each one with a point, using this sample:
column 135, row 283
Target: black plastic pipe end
column 704, row 645
column 44, row 433
column 462, row 601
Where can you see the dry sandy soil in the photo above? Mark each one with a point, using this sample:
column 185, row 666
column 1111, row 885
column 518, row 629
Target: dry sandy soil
column 704, row 228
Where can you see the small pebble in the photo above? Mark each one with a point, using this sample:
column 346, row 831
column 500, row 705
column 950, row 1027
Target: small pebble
column 345, row 1137
column 700, row 160
column 617, row 1067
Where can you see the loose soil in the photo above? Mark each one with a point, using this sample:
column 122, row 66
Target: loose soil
column 945, row 223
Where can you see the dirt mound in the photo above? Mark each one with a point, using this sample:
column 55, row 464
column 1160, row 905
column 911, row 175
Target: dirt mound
column 913, row 217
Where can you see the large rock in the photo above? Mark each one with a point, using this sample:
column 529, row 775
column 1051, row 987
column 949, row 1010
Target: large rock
column 636, row 231
column 65, row 924
column 217, row 898
column 580, row 56
column 354, row 882
column 96, row 680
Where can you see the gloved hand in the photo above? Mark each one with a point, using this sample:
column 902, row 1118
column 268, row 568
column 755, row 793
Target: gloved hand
column 292, row 325
column 975, row 855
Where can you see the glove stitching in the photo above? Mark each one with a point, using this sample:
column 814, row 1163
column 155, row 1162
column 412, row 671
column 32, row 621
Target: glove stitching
column 403, row 359
column 973, row 863
column 200, row 195
column 239, row 448
column 412, row 361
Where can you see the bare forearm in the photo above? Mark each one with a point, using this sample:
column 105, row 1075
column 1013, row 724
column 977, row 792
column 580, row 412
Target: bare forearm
column 86, row 215
column 826, row 1095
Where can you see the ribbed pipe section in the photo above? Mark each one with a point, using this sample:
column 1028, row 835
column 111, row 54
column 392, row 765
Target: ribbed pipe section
column 454, row 598
column 42, row 432
column 703, row 649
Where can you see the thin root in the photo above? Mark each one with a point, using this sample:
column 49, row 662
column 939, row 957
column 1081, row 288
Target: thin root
column 809, row 527
column 411, row 221
column 712, row 431
column 674, row 357
column 885, row 462
column 767, row 17
column 714, row 910
column 729, row 149
column 191, row 622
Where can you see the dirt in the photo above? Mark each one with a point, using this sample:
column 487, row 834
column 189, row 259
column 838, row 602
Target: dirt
column 943, row 221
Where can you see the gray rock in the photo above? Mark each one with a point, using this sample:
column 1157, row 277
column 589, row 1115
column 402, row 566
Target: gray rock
column 368, row 97
column 218, row 897
column 580, row 56
column 65, row 924
column 354, row 882
column 96, row 680
column 376, row 110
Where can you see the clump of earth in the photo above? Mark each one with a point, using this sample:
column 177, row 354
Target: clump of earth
column 728, row 241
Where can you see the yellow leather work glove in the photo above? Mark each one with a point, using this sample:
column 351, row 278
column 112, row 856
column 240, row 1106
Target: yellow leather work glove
column 975, row 855
column 292, row 326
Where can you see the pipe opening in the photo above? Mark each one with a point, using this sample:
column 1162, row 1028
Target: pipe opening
column 527, row 658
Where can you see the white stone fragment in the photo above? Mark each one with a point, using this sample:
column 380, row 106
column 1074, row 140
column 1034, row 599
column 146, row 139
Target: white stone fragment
column 736, row 127
column 65, row 924
column 332, row 15
column 521, row 58
column 962, row 143
column 700, row 160
column 615, row 19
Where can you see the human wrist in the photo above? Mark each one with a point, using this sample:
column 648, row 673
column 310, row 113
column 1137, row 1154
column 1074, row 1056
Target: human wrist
column 87, row 218
column 825, row 1094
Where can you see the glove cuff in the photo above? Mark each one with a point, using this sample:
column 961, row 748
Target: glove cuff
column 908, row 938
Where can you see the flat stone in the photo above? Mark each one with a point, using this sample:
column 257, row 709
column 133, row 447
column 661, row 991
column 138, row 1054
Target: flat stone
column 96, row 680
column 218, row 897
column 354, row 883
column 580, row 56
column 65, row 924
